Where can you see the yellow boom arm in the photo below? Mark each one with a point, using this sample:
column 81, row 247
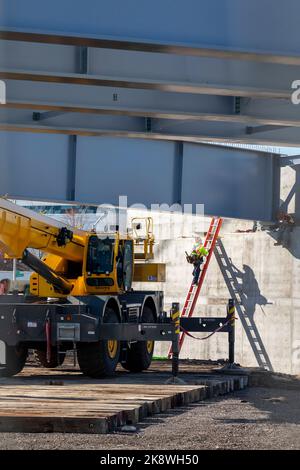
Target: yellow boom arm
column 21, row 228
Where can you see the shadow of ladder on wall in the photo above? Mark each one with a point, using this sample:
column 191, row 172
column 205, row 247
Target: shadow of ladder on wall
column 247, row 321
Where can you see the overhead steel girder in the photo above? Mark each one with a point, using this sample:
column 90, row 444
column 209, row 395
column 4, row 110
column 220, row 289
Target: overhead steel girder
column 154, row 69
column 185, row 128
column 251, row 75
column 147, row 112
column 142, row 46
column 136, row 134
column 116, row 123
column 142, row 70
column 137, row 126
column 251, row 25
column 155, row 104
column 223, row 70
column 160, row 99
column 143, row 84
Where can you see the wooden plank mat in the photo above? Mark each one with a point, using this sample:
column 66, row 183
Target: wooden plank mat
column 31, row 403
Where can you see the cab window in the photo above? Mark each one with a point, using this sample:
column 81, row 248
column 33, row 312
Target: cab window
column 100, row 255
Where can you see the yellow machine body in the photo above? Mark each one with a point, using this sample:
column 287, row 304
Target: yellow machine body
column 149, row 272
column 83, row 278
column 75, row 262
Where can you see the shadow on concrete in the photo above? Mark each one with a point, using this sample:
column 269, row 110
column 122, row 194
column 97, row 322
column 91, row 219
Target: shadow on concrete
column 281, row 406
column 282, row 236
column 252, row 406
column 278, row 406
column 244, row 289
column 282, row 232
column 248, row 289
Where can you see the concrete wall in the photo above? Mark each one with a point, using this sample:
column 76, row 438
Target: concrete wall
column 268, row 285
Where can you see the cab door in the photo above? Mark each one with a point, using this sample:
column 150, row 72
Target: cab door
column 128, row 264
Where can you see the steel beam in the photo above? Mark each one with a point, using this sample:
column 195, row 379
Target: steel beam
column 158, row 114
column 115, row 98
column 151, row 47
column 177, row 129
column 140, row 84
column 81, row 98
column 82, row 68
column 207, row 104
column 71, row 172
column 88, row 132
column 251, row 25
column 116, row 64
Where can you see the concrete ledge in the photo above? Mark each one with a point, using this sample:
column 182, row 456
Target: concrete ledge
column 264, row 378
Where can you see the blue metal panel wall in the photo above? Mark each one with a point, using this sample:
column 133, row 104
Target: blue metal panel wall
column 141, row 170
column 229, row 182
column 235, row 183
column 34, row 167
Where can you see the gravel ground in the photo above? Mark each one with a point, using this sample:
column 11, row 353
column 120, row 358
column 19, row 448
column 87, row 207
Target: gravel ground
column 255, row 418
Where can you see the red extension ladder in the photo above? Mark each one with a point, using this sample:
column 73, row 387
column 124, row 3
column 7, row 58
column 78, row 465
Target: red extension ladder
column 194, row 291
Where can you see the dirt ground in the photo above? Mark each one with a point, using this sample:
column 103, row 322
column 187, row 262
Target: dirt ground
column 255, row 418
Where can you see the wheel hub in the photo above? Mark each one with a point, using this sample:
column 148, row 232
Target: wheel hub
column 112, row 348
column 150, row 345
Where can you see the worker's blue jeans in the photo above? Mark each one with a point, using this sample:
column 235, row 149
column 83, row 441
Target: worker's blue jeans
column 196, row 272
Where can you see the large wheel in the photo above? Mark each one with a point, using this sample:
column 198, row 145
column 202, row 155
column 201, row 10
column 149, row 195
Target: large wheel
column 139, row 354
column 56, row 359
column 15, row 360
column 100, row 359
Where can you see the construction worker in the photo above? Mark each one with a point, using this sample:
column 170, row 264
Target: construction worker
column 196, row 258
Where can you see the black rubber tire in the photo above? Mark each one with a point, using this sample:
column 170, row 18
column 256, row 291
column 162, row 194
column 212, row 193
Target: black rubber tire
column 15, row 360
column 93, row 358
column 40, row 356
column 138, row 357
